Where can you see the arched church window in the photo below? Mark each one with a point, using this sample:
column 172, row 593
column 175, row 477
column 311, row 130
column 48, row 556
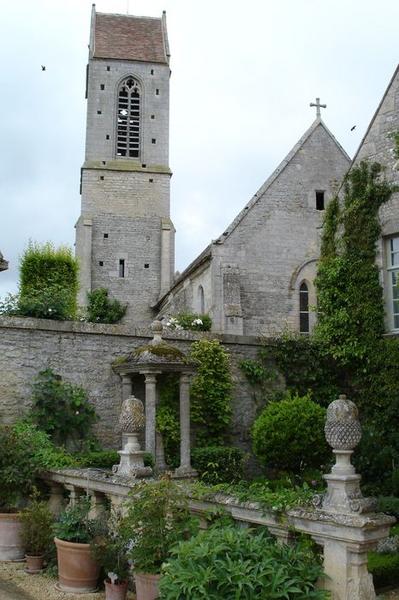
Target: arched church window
column 201, row 300
column 304, row 308
column 128, row 119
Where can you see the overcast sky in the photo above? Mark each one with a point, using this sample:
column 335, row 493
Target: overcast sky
column 243, row 75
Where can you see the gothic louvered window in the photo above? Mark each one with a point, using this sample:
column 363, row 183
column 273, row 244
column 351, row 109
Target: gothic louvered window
column 304, row 308
column 128, row 119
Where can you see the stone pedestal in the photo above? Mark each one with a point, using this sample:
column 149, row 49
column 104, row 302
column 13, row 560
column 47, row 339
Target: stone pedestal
column 132, row 459
column 343, row 521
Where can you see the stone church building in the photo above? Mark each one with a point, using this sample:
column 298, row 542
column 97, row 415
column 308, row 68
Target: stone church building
column 258, row 276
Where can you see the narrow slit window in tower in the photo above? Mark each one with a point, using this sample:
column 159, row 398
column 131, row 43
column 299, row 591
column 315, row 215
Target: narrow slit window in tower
column 121, row 267
column 128, row 119
column 319, row 200
column 303, row 308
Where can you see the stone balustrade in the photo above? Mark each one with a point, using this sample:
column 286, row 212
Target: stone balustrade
column 341, row 521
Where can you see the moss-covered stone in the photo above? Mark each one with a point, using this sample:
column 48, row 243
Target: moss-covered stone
column 162, row 350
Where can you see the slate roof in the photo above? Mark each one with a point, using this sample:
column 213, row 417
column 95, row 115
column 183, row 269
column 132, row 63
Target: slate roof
column 126, row 37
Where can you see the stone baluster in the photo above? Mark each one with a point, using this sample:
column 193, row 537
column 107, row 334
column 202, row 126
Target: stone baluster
column 98, row 504
column 74, row 493
column 56, row 499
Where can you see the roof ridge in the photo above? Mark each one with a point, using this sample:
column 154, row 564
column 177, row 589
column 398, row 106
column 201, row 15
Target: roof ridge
column 373, row 118
column 128, row 16
column 275, row 174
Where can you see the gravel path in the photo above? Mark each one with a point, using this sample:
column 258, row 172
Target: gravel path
column 15, row 584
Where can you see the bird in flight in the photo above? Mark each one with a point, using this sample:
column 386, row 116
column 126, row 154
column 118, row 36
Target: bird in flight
column 43, row 68
column 354, row 127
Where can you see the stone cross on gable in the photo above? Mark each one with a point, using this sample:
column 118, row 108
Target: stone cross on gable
column 318, row 107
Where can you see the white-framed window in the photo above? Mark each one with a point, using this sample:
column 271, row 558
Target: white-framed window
column 128, row 119
column 393, row 280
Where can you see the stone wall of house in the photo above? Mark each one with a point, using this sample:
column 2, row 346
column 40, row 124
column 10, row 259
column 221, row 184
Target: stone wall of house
column 82, row 353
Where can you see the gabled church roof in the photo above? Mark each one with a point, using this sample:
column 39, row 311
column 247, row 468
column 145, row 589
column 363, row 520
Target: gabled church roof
column 394, row 81
column 207, row 253
column 126, row 37
column 258, row 195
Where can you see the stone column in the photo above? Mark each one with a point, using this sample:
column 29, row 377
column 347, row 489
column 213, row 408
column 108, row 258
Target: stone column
column 185, row 450
column 150, row 403
column 56, row 500
column 126, row 386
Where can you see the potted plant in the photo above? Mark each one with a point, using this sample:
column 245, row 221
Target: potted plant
column 19, row 467
column 78, row 571
column 36, row 532
column 157, row 517
column 110, row 550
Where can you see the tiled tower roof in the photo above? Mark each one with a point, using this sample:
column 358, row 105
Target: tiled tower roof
column 125, row 37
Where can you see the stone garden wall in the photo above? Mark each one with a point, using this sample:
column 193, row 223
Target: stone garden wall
column 82, row 353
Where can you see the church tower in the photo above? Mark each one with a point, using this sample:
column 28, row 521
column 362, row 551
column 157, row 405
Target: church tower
column 124, row 235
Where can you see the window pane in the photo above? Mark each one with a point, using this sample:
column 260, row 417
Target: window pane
column 304, row 322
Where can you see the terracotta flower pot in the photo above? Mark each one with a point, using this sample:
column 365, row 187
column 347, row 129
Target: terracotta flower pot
column 147, row 586
column 77, row 570
column 11, row 547
column 34, row 564
column 115, row 591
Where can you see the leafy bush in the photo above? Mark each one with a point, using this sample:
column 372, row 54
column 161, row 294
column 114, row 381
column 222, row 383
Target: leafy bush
column 41, row 448
column 218, row 464
column 74, row 524
column 48, row 282
column 61, row 409
column 19, row 467
column 190, row 321
column 110, row 548
column 289, row 435
column 389, row 505
column 37, row 523
column 384, row 569
column 239, row 563
column 211, row 391
column 275, row 495
column 101, row 309
column 157, row 517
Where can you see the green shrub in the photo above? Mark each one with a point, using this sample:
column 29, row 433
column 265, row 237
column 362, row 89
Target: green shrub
column 289, row 435
column 384, row 569
column 101, row 309
column 157, row 517
column 75, row 525
column 48, row 282
column 61, row 409
column 37, row 527
column 45, row 453
column 218, row 464
column 389, row 505
column 239, row 563
column 190, row 321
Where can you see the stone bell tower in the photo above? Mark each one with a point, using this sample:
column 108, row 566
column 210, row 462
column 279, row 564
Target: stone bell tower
column 124, row 235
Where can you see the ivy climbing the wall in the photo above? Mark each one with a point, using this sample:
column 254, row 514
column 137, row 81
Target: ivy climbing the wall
column 210, row 400
column 349, row 294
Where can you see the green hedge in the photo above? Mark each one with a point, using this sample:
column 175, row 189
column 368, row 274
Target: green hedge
column 389, row 505
column 105, row 459
column 48, row 282
column 384, row 568
column 218, row 464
